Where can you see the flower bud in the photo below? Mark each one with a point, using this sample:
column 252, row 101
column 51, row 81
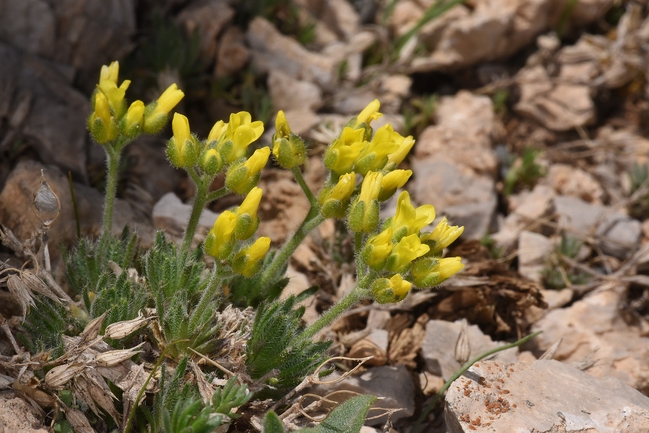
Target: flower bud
column 429, row 271
column 390, row 290
column 289, row 152
column 132, row 122
column 243, row 176
column 377, row 249
column 155, row 114
column 220, row 239
column 364, row 212
column 374, row 155
column 334, row 199
column 182, row 148
column 441, row 237
column 393, row 181
column 239, row 133
column 396, row 157
column 101, row 123
column 247, row 219
column 405, row 252
column 211, row 162
column 247, row 262
column 343, row 151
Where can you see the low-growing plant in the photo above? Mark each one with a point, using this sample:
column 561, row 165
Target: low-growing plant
column 524, row 172
column 221, row 317
column 560, row 274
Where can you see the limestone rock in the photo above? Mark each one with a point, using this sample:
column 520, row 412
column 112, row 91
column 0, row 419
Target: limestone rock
column 617, row 233
column 291, row 94
column 207, row 18
column 533, row 252
column 545, row 396
column 272, row 51
column 18, row 416
column 41, row 105
column 232, row 54
column 455, row 163
column 572, row 181
column 172, row 215
column 438, row 347
column 378, row 381
column 17, row 214
column 592, row 328
column 555, row 105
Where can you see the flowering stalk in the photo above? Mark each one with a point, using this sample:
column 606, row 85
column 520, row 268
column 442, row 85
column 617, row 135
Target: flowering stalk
column 200, row 199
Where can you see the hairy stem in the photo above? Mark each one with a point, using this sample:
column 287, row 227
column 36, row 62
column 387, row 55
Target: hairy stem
column 307, row 191
column 112, row 161
column 197, row 208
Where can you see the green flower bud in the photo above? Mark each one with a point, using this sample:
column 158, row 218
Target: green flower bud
column 243, row 176
column 182, row 148
column 334, row 199
column 391, row 290
column 429, row 271
column 364, row 212
column 247, row 262
column 247, row 219
column 156, row 113
column 101, row 123
column 211, row 162
column 132, row 122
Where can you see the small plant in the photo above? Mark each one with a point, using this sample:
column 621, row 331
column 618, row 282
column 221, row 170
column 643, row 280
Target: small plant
column 559, row 274
column 225, row 319
column 420, row 113
column 639, row 189
column 525, row 171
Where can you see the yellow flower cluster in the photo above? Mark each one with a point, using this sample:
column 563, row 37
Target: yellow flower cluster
column 398, row 249
column 110, row 118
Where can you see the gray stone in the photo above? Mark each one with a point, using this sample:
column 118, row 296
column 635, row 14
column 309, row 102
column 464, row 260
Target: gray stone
column 207, row 18
column 288, row 93
column 270, row 50
column 618, row 234
column 542, row 397
column 232, row 54
column 593, row 328
column 42, row 106
column 438, row 347
column 533, row 252
column 380, row 382
column 172, row 215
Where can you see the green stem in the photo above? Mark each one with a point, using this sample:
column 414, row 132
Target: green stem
column 431, row 404
column 358, row 293
column 197, row 208
column 215, row 195
column 358, row 246
column 112, row 161
column 307, row 191
column 312, row 220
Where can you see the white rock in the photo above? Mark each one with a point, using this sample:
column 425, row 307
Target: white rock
column 288, row 93
column 545, row 396
column 270, row 51
column 207, row 18
column 533, row 252
column 396, row 84
column 557, row 106
column 438, row 347
column 593, row 328
column 380, row 382
column 232, row 54
column 171, row 214
column 575, row 182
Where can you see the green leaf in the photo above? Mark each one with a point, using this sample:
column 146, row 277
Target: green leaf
column 348, row 417
column 272, row 423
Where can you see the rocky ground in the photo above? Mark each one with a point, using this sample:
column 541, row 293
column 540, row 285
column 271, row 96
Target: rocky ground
column 530, row 118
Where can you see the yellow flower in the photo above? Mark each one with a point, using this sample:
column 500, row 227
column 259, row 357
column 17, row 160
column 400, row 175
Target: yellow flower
column 182, row 148
column 282, row 130
column 155, row 115
column 369, row 113
column 247, row 219
column 374, row 155
column 248, row 261
column 343, row 151
column 393, row 181
column 243, row 176
column 109, row 73
column 409, row 220
column 364, row 213
column 405, row 144
column 133, row 119
column 390, row 290
column 405, row 252
column 108, row 86
column 377, row 249
column 430, row 271
column 240, row 132
column 334, row 199
column 289, row 150
column 441, row 237
column 220, row 239
column 101, row 123
column 217, row 131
